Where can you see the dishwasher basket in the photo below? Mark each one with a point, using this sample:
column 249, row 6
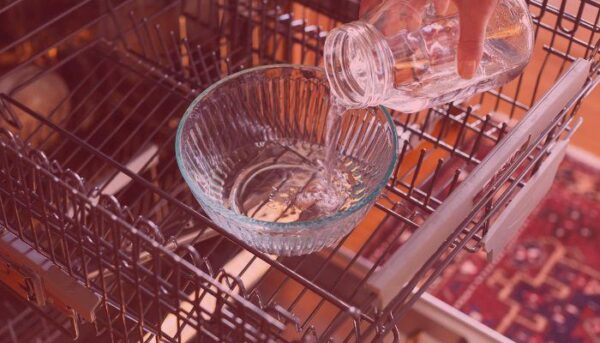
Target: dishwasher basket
column 101, row 237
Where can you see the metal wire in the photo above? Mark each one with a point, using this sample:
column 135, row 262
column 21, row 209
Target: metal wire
column 106, row 204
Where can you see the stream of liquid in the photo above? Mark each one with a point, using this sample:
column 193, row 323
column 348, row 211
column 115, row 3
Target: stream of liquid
column 291, row 180
column 332, row 131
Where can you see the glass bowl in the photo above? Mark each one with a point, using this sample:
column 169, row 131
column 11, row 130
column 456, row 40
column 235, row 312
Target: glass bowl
column 252, row 148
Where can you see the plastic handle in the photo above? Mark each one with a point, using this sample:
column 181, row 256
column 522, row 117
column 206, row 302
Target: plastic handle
column 389, row 280
column 51, row 285
column 511, row 220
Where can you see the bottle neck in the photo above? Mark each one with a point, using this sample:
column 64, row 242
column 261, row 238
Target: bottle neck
column 359, row 65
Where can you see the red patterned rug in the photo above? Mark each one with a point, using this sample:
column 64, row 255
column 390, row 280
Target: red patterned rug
column 546, row 287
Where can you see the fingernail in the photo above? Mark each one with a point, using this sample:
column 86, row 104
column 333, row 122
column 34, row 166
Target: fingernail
column 467, row 69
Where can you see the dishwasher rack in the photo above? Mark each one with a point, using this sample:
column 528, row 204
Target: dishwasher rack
column 100, row 235
column 22, row 323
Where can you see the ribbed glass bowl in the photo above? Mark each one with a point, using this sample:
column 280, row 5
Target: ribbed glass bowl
column 252, row 149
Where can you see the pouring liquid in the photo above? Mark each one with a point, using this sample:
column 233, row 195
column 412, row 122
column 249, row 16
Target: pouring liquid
column 291, row 180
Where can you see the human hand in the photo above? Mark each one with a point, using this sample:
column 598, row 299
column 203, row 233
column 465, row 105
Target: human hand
column 473, row 17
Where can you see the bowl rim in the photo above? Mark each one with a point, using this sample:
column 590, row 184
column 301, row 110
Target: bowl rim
column 275, row 226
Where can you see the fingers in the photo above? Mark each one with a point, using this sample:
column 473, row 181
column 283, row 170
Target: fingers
column 414, row 22
column 474, row 17
column 441, row 6
column 366, row 5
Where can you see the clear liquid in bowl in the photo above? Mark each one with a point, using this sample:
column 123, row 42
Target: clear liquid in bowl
column 289, row 181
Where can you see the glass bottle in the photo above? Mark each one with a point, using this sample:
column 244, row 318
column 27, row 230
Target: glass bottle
column 405, row 59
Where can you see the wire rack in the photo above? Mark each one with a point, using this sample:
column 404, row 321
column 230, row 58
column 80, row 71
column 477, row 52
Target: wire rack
column 89, row 182
column 23, row 323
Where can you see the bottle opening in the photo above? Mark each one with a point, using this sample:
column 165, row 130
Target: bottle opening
column 359, row 65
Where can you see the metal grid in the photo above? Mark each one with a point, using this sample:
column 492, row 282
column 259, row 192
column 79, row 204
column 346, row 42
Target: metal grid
column 21, row 323
column 97, row 191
